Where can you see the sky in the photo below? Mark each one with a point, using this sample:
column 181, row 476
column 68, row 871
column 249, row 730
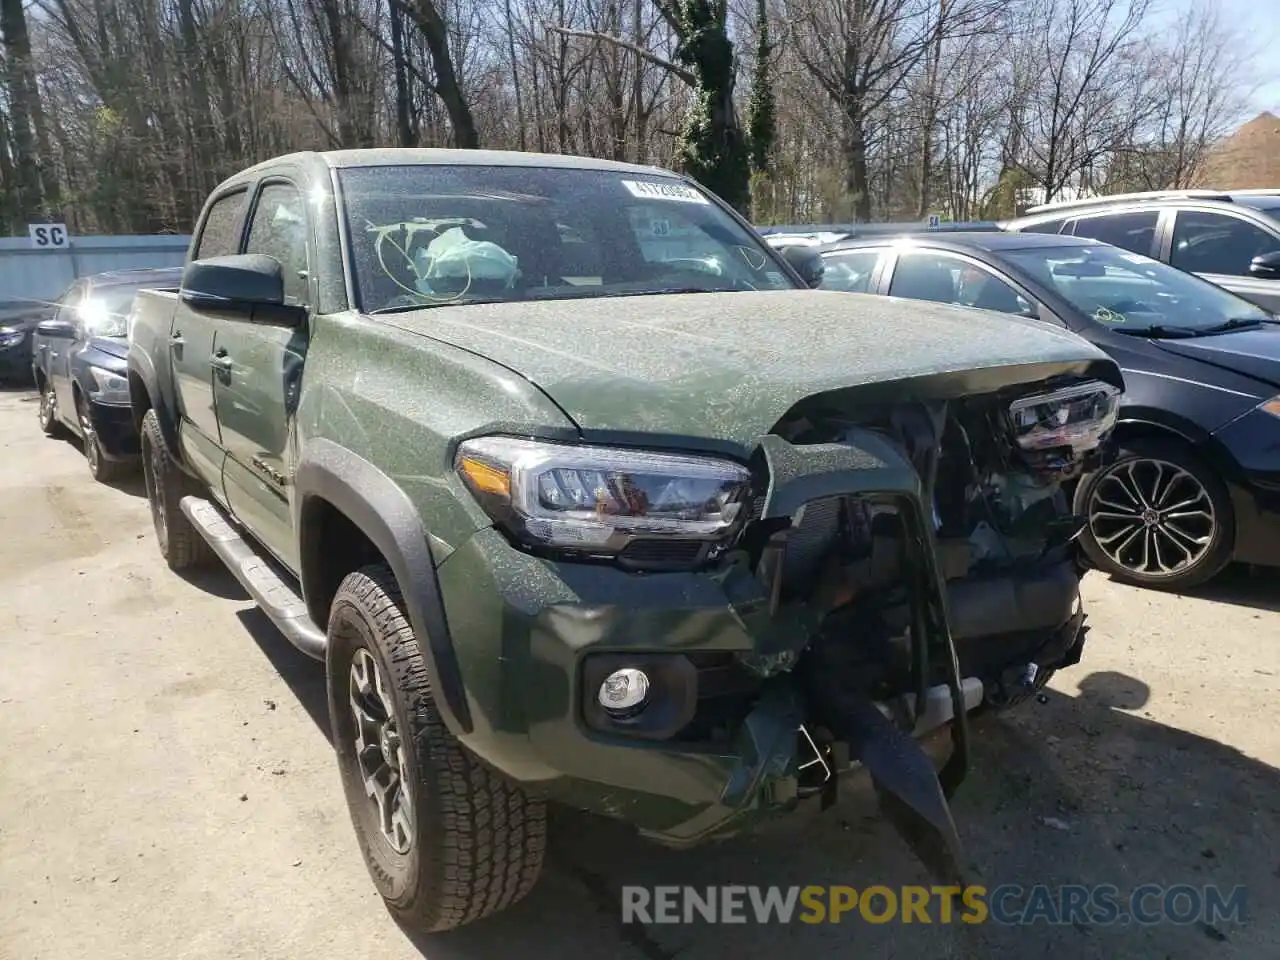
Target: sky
column 1259, row 27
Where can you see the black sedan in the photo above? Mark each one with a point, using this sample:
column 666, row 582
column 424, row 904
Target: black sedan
column 17, row 330
column 1197, row 481
column 79, row 364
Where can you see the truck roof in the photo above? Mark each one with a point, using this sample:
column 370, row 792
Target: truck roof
column 399, row 156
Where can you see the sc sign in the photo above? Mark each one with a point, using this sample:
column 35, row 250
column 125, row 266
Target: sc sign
column 48, row 236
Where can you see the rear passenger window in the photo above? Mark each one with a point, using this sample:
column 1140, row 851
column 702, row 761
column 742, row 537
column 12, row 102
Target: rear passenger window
column 1131, row 231
column 1217, row 243
column 849, row 272
column 220, row 236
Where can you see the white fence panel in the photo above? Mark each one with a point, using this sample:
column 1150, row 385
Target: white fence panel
column 29, row 274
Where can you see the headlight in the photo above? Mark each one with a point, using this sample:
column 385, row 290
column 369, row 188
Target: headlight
column 9, row 336
column 649, row 509
column 1271, row 406
column 1077, row 417
column 112, row 388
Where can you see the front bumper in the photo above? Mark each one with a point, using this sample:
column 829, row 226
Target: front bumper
column 1252, row 444
column 116, row 432
column 524, row 629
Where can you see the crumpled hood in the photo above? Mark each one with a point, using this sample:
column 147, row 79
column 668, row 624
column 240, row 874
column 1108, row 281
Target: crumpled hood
column 1254, row 353
column 728, row 366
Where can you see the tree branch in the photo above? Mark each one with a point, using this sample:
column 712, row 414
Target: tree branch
column 686, row 75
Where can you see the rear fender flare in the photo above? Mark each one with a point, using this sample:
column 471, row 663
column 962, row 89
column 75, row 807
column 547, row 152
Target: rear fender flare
column 382, row 511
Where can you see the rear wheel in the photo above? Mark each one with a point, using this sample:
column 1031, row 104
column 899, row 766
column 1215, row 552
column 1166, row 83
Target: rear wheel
column 447, row 839
column 1157, row 517
column 180, row 543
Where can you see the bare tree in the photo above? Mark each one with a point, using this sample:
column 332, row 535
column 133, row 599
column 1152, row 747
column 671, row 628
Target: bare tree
column 1199, row 91
column 1093, row 89
column 861, row 52
column 137, row 107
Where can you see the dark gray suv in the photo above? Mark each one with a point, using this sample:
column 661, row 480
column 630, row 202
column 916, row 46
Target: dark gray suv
column 1230, row 238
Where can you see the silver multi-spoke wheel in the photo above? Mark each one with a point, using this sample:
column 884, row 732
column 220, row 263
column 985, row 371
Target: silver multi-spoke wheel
column 1151, row 517
column 92, row 452
column 380, row 752
column 48, row 410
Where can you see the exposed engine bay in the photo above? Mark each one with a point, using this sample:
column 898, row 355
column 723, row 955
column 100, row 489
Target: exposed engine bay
column 878, row 600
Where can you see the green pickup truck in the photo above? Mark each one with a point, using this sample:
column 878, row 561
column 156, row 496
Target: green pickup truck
column 583, row 496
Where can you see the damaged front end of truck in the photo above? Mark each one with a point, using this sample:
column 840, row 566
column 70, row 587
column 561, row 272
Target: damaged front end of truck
column 902, row 563
column 884, row 558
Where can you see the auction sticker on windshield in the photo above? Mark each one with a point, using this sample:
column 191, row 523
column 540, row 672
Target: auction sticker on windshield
column 648, row 190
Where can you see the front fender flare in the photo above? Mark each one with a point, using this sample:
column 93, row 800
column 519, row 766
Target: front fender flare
column 382, row 511
column 141, row 367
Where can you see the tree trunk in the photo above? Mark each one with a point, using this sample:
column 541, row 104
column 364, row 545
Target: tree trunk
column 515, row 76
column 20, row 82
column 436, row 34
column 405, row 135
column 857, row 178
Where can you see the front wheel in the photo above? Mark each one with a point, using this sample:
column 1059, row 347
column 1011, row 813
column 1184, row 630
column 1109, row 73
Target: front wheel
column 101, row 468
column 50, row 425
column 447, row 839
column 181, row 544
column 1157, row 517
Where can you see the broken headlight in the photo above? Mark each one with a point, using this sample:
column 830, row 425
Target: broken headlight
column 1056, row 430
column 652, row 509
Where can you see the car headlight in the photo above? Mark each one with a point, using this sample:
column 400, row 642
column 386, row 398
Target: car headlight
column 111, row 387
column 655, row 510
column 9, row 336
column 1271, row 406
column 1078, row 417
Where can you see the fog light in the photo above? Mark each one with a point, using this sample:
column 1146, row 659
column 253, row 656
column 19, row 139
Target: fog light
column 624, row 691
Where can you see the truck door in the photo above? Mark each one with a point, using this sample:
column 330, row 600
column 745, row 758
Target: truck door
column 191, row 343
column 256, row 388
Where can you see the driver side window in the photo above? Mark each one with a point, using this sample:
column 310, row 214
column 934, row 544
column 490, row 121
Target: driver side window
column 946, row 279
column 279, row 229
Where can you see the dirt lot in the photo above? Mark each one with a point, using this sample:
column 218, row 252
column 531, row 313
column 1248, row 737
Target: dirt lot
column 167, row 788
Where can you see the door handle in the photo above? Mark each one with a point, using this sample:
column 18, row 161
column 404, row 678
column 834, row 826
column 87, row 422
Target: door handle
column 176, row 340
column 220, row 361
column 53, row 354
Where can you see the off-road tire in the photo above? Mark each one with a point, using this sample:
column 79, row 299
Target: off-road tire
column 50, row 425
column 180, row 543
column 101, row 468
column 1215, row 556
column 478, row 838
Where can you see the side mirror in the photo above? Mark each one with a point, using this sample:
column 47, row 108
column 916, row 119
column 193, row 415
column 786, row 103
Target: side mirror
column 1266, row 266
column 251, row 284
column 56, row 329
column 805, row 261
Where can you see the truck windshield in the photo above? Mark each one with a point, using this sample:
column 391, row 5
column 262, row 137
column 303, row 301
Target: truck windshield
column 432, row 234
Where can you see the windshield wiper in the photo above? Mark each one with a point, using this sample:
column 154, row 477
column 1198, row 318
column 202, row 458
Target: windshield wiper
column 1235, row 323
column 1155, row 330
column 599, row 292
column 409, row 307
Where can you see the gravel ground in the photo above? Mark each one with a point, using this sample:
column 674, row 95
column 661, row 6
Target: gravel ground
column 167, row 788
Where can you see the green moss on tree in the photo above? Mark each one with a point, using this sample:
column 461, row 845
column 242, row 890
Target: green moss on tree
column 712, row 148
